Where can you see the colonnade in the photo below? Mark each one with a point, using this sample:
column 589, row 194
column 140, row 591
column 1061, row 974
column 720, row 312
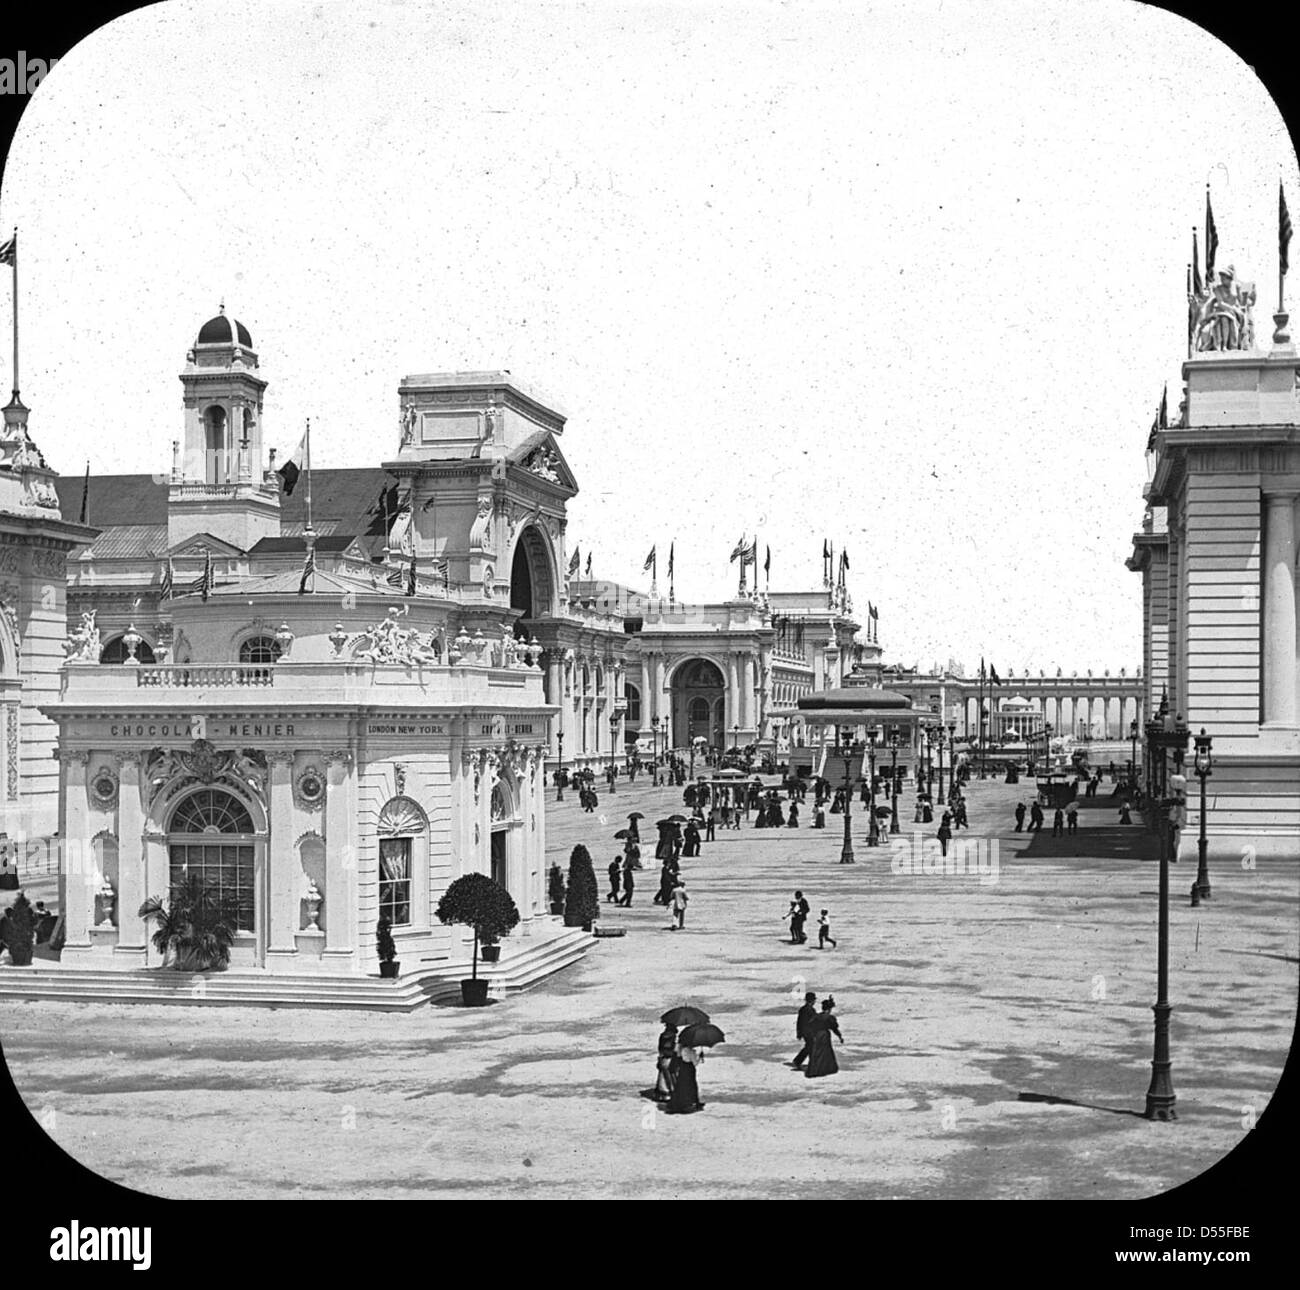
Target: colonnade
column 1106, row 715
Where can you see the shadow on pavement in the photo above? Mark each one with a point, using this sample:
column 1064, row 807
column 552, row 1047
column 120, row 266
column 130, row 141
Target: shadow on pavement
column 1052, row 1100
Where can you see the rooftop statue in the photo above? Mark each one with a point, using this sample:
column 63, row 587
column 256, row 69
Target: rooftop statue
column 82, row 645
column 1221, row 315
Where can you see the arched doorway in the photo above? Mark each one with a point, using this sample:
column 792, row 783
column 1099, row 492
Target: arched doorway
column 697, row 691
column 532, row 582
column 211, row 836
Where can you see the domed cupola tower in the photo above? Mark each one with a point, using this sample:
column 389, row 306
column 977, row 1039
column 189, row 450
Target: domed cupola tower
column 218, row 484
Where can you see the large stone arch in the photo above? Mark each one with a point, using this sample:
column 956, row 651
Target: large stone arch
column 534, row 585
column 692, row 680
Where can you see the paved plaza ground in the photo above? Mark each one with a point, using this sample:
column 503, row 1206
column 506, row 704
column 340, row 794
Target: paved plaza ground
column 997, row 1040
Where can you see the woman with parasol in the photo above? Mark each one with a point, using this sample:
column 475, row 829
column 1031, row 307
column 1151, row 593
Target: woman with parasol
column 691, row 1042
column 664, row 1063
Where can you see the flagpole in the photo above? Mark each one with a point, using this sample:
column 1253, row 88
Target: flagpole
column 307, row 463
column 15, row 269
column 1189, row 305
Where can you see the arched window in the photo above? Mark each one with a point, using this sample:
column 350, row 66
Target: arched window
column 699, row 711
column 633, row 696
column 402, row 828
column 259, row 649
column 223, row 860
column 116, row 652
column 218, row 450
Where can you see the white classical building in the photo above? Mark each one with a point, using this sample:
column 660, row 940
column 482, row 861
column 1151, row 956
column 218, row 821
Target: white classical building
column 1217, row 555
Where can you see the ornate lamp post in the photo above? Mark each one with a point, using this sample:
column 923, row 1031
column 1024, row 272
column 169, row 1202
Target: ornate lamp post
column 1163, row 735
column 559, row 770
column 1133, row 764
column 984, row 721
column 613, row 738
column 873, row 830
column 735, row 738
column 1202, row 764
column 844, row 748
column 939, row 735
column 654, row 733
column 893, row 779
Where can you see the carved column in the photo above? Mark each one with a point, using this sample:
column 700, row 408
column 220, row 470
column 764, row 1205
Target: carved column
column 647, row 711
column 340, row 859
column 282, row 865
column 77, row 882
column 734, row 706
column 131, row 929
column 1279, row 625
column 747, row 719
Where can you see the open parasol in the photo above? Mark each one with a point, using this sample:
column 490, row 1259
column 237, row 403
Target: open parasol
column 677, row 819
column 622, row 834
column 701, row 1035
column 684, row 1016
column 635, row 815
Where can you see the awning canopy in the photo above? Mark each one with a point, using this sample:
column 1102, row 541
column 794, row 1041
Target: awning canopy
column 855, row 697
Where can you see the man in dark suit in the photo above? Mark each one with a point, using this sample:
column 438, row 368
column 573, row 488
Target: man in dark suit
column 803, row 1029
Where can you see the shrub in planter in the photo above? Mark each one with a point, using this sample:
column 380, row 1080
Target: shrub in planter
column 474, row 900
column 18, row 931
column 555, row 889
column 195, row 932
column 582, row 904
column 387, row 950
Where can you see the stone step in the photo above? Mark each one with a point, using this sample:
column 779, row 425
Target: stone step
column 523, row 966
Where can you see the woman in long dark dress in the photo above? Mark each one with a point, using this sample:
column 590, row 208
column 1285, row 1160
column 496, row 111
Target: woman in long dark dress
column 794, row 816
column 667, row 1056
column 685, row 1096
column 822, row 1058
column 775, row 817
column 667, row 881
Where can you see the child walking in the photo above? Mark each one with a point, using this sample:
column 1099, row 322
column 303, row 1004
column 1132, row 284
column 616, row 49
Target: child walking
column 824, row 931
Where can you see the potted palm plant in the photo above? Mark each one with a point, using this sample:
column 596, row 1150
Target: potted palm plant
column 387, row 949
column 196, row 931
column 474, row 900
column 18, row 931
column 555, row 889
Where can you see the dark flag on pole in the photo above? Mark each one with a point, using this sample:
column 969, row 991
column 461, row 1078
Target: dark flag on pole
column 410, row 577
column 85, row 496
column 767, row 563
column 576, row 562
column 292, row 468
column 1197, row 287
column 993, row 675
column 9, row 251
column 168, row 581
column 394, row 578
column 671, row 547
column 206, row 587
column 650, row 561
column 1283, row 231
column 738, row 551
column 1164, row 407
column 1211, row 238
column 589, row 564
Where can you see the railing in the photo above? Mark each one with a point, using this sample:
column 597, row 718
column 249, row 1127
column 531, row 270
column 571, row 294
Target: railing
column 187, row 677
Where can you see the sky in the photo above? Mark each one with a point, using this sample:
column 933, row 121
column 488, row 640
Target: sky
column 905, row 276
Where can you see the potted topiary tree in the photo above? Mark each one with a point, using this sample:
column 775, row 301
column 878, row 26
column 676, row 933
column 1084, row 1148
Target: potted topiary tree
column 582, row 904
column 474, row 900
column 555, row 888
column 18, row 931
column 196, row 931
column 388, row 962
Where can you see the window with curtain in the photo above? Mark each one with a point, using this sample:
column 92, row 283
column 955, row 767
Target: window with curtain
column 395, row 880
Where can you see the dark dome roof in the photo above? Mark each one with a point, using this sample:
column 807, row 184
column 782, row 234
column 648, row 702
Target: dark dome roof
column 224, row 331
column 853, row 696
